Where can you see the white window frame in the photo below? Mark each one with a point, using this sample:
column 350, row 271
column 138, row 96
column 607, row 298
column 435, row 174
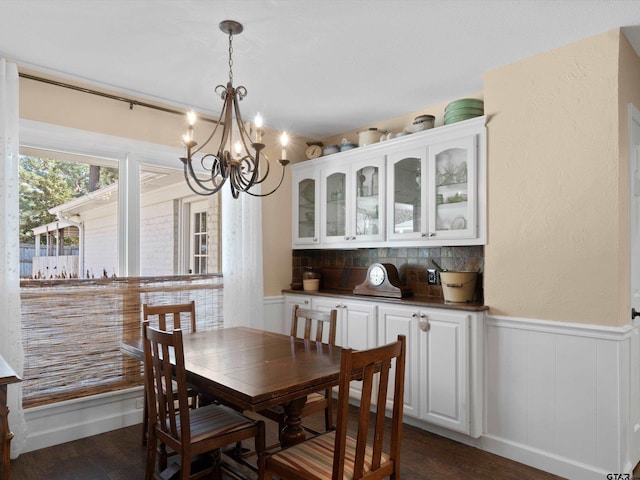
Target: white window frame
column 129, row 153
column 200, row 207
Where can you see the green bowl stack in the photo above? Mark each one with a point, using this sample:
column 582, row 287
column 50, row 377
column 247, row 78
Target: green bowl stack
column 463, row 109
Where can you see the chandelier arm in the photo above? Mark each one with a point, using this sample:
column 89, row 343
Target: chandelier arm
column 272, row 191
column 190, row 175
column 218, row 123
column 239, row 179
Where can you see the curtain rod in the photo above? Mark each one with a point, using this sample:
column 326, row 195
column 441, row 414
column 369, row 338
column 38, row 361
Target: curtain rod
column 130, row 101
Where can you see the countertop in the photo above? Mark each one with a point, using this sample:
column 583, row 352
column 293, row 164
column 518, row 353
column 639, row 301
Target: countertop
column 416, row 300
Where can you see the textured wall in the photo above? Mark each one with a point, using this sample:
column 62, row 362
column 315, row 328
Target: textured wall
column 554, row 185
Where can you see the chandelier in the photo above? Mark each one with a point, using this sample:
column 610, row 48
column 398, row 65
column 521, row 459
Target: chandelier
column 239, row 159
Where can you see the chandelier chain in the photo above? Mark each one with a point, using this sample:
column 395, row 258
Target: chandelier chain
column 231, row 58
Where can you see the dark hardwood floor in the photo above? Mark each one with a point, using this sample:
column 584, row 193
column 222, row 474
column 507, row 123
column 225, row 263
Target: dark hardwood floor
column 118, row 455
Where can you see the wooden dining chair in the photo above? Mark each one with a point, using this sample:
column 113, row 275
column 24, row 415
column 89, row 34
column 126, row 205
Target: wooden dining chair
column 173, row 315
column 316, row 402
column 186, row 431
column 338, row 454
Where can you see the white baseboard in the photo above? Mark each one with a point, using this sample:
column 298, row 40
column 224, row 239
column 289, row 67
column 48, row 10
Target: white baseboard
column 546, row 461
column 62, row 422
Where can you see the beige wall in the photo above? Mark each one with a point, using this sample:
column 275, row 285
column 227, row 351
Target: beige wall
column 629, row 92
column 557, row 225
column 60, row 106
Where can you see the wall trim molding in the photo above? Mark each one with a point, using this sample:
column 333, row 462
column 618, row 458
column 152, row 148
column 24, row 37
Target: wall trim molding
column 561, row 328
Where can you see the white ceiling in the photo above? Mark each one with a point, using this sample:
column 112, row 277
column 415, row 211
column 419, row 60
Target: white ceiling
column 312, row 67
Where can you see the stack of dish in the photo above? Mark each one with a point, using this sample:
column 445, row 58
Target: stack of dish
column 463, row 109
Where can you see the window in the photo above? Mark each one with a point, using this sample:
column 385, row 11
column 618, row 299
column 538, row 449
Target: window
column 200, row 254
column 133, row 230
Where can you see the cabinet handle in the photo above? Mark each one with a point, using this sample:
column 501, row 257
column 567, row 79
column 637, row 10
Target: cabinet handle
column 424, row 323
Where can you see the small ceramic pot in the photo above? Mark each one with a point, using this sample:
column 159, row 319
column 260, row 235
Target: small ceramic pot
column 369, row 136
column 330, row 149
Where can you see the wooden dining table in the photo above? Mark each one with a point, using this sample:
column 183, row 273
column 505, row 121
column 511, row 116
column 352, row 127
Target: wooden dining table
column 252, row 370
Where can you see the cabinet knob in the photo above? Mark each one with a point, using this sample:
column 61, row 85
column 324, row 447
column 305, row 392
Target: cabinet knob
column 306, row 302
column 414, row 315
column 353, row 238
column 634, row 313
column 423, row 235
column 432, row 234
column 338, row 306
column 424, row 325
column 315, row 239
column 347, row 238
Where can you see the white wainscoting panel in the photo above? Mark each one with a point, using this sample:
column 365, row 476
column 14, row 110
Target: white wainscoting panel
column 83, row 417
column 275, row 319
column 557, row 395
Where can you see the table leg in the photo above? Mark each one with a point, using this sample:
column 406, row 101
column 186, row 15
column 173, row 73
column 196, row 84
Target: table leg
column 293, row 432
column 5, row 435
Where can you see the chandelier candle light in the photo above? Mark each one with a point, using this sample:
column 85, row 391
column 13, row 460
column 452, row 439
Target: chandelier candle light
column 233, row 161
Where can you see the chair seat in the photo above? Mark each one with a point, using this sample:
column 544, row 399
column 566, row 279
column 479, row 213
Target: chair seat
column 313, row 458
column 214, row 421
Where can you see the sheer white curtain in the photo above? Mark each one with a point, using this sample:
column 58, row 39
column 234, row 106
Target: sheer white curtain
column 242, row 260
column 11, row 336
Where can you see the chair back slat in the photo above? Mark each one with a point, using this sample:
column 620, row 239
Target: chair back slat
column 320, row 319
column 164, row 361
column 173, row 314
column 364, row 365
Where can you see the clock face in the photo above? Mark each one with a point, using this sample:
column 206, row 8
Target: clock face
column 313, row 151
column 376, row 275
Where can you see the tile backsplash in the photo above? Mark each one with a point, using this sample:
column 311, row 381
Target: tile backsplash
column 412, row 262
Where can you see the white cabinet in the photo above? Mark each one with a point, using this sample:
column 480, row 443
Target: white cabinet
column 437, row 189
column 290, row 301
column 439, row 387
column 444, row 358
column 394, row 321
column 356, row 326
column 352, row 199
column 407, row 217
column 453, row 213
column 304, row 204
column 443, row 378
column 424, row 189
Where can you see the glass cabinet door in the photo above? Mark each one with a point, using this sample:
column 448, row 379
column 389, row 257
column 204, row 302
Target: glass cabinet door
column 368, row 185
column 407, row 186
column 453, row 164
column 305, row 208
column 335, row 207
